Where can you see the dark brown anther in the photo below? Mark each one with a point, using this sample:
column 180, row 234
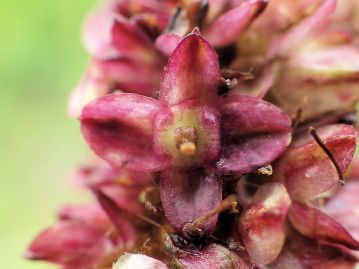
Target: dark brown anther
column 298, row 117
column 186, row 140
column 192, row 229
column 149, row 197
column 228, row 73
column 330, row 155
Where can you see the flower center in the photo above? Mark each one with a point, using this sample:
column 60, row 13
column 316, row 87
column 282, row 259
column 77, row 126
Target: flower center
column 186, row 140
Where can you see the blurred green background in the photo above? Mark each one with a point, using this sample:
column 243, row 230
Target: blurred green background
column 41, row 59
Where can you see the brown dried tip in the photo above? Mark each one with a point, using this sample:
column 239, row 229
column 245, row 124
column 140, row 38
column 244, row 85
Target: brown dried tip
column 317, row 139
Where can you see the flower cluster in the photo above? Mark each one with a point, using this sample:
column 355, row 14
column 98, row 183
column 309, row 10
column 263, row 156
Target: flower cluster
column 225, row 131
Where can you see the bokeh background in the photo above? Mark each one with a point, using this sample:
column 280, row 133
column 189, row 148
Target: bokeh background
column 41, row 59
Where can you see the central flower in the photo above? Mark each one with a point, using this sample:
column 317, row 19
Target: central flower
column 190, row 125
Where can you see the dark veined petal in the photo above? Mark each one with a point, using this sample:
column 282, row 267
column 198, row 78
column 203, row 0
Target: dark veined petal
column 255, row 133
column 262, row 224
column 119, row 129
column 192, row 72
column 213, row 256
column 187, row 195
column 306, row 169
column 229, row 26
column 313, row 223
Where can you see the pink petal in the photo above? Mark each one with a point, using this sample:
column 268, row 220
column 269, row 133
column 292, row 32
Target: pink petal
column 166, row 43
column 188, row 195
column 304, row 253
column 97, row 36
column 310, row 26
column 256, row 133
column 344, row 208
column 328, row 64
column 313, row 223
column 118, row 217
column 119, row 128
column 306, row 169
column 229, row 26
column 69, row 243
column 192, row 72
column 91, row 215
column 213, row 256
column 103, row 77
column 262, row 224
column 131, row 42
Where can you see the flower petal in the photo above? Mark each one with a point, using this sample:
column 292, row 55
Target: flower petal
column 309, row 27
column 118, row 217
column 344, row 207
column 187, row 195
column 119, row 129
column 230, row 25
column 313, row 223
column 166, row 43
column 104, row 77
column 97, row 37
column 262, row 224
column 192, row 72
column 255, row 133
column 137, row 261
column 213, row 256
column 131, row 42
column 69, row 243
column 303, row 253
column 305, row 168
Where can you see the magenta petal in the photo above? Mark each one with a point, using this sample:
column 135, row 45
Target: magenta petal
column 312, row 25
column 313, row 223
column 262, row 224
column 69, row 243
column 192, row 72
column 103, row 77
column 306, row 169
column 166, row 43
column 255, row 133
column 229, row 26
column 91, row 215
column 117, row 216
column 188, row 195
column 119, row 129
column 213, row 256
column 131, row 42
column 304, row 253
column 344, row 207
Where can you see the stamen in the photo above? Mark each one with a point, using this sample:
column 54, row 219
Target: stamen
column 317, row 139
column 188, row 148
column 186, row 140
column 229, row 204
